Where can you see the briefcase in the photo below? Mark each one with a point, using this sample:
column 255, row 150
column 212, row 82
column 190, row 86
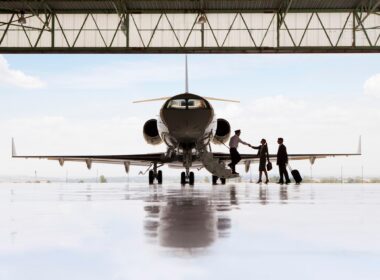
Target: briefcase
column 269, row 166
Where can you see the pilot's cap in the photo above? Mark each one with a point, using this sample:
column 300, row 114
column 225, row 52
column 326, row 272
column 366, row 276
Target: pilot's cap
column 237, row 131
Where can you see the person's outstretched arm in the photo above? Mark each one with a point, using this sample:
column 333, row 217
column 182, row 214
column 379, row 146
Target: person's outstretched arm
column 244, row 143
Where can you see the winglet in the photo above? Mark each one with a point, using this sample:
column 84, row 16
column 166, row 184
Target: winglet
column 360, row 145
column 14, row 154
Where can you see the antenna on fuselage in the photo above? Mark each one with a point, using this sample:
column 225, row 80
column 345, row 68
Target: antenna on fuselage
column 186, row 76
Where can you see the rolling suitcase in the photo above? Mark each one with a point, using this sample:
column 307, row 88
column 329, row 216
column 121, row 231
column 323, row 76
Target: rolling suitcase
column 296, row 175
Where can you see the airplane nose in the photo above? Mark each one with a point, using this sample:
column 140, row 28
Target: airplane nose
column 187, row 125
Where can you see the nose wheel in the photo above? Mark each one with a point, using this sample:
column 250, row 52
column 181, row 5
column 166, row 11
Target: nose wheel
column 187, row 179
column 215, row 180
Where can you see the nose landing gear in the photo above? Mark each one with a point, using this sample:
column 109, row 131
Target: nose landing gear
column 215, row 180
column 187, row 177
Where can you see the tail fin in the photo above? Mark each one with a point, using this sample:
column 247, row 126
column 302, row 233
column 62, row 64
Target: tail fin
column 186, row 76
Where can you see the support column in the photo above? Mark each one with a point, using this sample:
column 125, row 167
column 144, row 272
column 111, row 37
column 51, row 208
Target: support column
column 353, row 29
column 52, row 30
column 126, row 26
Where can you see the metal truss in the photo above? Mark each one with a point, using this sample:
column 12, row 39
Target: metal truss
column 283, row 31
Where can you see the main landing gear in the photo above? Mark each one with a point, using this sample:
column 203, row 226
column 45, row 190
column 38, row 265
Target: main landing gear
column 187, row 177
column 155, row 174
column 215, row 180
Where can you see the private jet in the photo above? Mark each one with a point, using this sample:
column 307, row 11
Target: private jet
column 187, row 125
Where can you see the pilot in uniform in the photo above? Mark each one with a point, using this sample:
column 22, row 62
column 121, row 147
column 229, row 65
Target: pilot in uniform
column 235, row 156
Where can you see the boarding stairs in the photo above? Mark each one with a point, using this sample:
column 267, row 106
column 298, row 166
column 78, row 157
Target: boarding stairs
column 216, row 167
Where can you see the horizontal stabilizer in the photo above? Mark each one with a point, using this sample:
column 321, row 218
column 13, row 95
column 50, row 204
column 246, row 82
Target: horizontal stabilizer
column 166, row 98
column 221, row 99
column 152, row 100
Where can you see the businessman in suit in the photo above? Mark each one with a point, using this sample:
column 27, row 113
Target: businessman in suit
column 282, row 161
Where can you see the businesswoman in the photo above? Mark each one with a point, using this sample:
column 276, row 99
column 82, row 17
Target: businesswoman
column 264, row 156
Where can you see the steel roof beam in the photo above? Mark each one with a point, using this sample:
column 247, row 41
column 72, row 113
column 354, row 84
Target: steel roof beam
column 284, row 30
column 169, row 50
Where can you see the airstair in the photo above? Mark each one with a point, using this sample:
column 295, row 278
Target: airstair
column 215, row 167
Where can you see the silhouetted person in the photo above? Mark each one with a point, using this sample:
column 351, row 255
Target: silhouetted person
column 264, row 156
column 282, row 161
column 235, row 156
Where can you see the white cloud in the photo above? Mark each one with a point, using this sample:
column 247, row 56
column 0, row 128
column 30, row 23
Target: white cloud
column 279, row 103
column 119, row 75
column 17, row 78
column 372, row 86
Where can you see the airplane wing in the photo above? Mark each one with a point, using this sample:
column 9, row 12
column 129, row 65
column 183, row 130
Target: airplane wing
column 251, row 158
column 126, row 160
column 255, row 157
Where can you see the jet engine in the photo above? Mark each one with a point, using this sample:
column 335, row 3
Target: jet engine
column 151, row 134
column 223, row 130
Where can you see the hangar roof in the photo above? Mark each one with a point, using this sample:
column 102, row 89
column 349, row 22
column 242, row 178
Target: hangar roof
column 100, row 6
column 191, row 26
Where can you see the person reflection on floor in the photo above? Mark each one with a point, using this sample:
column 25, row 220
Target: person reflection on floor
column 233, row 198
column 283, row 194
column 263, row 195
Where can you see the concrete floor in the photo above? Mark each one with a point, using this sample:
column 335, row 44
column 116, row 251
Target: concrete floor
column 241, row 231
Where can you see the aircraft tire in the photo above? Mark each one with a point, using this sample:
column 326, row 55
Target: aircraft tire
column 183, row 178
column 191, row 179
column 223, row 181
column 159, row 177
column 151, row 177
column 214, row 180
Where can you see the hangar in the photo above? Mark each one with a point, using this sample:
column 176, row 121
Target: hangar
column 190, row 26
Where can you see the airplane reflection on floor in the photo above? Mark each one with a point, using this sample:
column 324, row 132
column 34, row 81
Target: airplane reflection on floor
column 176, row 217
column 188, row 218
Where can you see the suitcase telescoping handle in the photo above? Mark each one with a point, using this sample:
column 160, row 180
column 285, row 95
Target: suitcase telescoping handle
column 290, row 168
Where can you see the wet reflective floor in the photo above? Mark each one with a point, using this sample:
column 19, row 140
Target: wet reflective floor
column 242, row 231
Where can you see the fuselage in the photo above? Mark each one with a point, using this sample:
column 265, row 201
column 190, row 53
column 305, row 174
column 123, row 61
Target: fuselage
column 187, row 121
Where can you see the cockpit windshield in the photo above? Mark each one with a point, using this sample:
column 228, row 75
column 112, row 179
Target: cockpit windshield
column 186, row 104
column 177, row 104
column 196, row 104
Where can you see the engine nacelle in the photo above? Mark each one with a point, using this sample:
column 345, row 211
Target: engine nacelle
column 223, row 131
column 150, row 132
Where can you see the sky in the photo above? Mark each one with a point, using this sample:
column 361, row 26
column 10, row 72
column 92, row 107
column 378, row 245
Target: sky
column 82, row 104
